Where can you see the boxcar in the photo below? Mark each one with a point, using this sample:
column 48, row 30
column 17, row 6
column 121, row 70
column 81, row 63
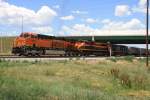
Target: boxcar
column 134, row 51
column 119, row 50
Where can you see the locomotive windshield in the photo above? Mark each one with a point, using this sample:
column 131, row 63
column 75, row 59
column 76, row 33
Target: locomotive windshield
column 27, row 35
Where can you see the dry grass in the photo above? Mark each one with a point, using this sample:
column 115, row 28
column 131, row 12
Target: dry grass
column 6, row 45
column 74, row 80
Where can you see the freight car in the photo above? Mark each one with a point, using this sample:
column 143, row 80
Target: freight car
column 137, row 51
column 134, row 51
column 119, row 50
column 142, row 52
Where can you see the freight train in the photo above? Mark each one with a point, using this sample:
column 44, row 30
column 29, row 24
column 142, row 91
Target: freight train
column 32, row 44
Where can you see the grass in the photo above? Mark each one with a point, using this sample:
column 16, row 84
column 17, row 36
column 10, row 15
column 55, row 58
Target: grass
column 75, row 80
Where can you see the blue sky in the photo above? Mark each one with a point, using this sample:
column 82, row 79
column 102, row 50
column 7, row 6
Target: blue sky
column 73, row 17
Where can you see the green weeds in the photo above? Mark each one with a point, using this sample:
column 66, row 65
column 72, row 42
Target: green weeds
column 74, row 80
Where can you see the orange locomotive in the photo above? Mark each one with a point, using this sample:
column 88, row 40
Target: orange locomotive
column 87, row 48
column 29, row 43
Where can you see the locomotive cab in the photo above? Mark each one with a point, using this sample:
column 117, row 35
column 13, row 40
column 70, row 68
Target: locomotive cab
column 28, row 35
column 25, row 41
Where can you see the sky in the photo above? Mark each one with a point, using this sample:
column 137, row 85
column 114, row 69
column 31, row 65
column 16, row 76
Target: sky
column 73, row 17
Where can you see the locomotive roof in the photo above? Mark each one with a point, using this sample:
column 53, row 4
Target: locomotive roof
column 30, row 33
column 45, row 36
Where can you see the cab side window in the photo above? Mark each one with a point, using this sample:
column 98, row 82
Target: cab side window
column 33, row 36
column 21, row 35
column 26, row 35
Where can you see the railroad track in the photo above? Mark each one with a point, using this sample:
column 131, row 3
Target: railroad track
column 14, row 56
column 46, row 58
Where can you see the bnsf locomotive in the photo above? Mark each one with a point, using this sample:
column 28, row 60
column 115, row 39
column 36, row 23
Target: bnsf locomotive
column 32, row 44
column 36, row 44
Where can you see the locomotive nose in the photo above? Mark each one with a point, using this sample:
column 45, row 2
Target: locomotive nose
column 79, row 45
column 19, row 42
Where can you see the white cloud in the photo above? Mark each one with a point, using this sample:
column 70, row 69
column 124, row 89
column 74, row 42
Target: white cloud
column 122, row 10
column 110, row 28
column 76, row 30
column 43, row 29
column 11, row 15
column 141, row 7
column 138, row 9
column 121, row 25
column 106, row 21
column 129, row 32
column 65, row 28
column 79, row 12
column 91, row 21
column 88, row 31
column 133, row 24
column 2, row 0
column 82, row 28
column 142, row 2
column 70, row 17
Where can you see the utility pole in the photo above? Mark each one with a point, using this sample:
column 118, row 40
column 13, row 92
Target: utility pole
column 147, row 31
column 22, row 25
column 1, row 44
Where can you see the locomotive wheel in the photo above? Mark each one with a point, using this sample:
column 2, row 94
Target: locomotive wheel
column 76, row 54
column 84, row 55
column 33, row 55
column 43, row 53
column 66, row 54
column 37, row 55
column 20, row 54
column 29, row 54
column 70, row 54
column 73, row 54
column 79, row 55
column 61, row 55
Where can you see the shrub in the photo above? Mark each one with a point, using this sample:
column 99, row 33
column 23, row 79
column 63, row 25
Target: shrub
column 135, row 78
column 113, row 59
column 125, row 80
column 128, row 58
column 14, row 89
column 115, row 72
column 139, row 82
column 50, row 73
